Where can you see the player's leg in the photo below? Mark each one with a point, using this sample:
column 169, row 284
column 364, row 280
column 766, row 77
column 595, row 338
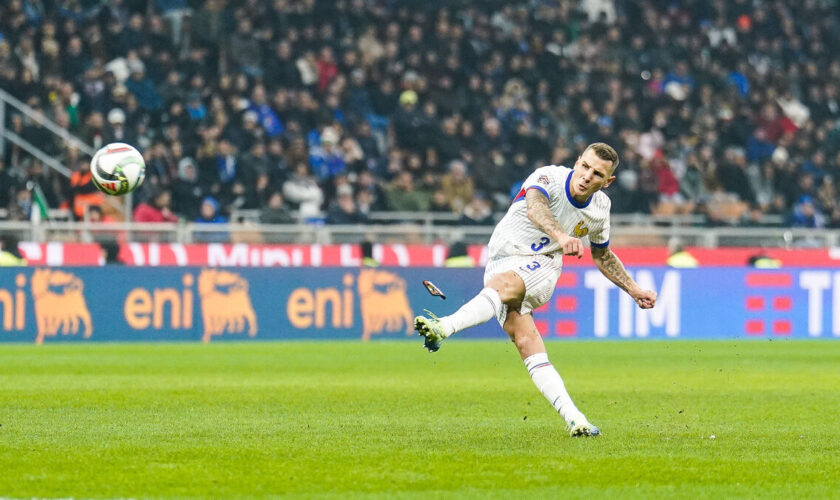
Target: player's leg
column 502, row 289
column 524, row 334
column 506, row 288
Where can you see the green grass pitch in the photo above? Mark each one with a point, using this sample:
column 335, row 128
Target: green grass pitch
column 389, row 420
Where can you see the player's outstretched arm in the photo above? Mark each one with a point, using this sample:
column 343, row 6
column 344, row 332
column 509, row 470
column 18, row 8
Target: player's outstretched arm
column 539, row 213
column 611, row 267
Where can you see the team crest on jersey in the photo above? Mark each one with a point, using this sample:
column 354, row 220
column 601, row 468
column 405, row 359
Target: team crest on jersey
column 581, row 231
column 543, row 179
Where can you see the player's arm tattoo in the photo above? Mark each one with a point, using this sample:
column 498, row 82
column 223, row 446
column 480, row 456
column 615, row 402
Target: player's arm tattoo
column 611, row 267
column 540, row 214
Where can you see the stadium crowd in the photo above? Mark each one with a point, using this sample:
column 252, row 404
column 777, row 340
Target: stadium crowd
column 335, row 108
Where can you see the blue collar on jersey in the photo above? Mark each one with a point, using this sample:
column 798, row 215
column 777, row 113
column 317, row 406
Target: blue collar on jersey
column 573, row 201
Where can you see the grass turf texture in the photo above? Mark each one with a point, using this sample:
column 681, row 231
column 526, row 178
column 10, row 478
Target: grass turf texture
column 388, row 419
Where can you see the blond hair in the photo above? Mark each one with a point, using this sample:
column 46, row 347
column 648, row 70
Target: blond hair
column 605, row 152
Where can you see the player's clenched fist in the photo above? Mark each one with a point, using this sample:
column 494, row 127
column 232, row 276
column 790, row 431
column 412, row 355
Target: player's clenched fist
column 572, row 246
column 646, row 299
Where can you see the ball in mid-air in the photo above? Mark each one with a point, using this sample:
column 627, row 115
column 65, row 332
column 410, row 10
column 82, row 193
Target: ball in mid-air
column 117, row 169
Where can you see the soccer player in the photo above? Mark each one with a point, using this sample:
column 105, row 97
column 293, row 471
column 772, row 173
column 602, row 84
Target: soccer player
column 556, row 207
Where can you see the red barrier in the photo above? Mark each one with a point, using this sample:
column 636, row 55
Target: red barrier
column 256, row 255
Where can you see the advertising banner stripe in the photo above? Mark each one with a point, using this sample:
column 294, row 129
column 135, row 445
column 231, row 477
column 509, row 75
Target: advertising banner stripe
column 44, row 304
column 769, row 280
column 754, row 327
column 754, row 303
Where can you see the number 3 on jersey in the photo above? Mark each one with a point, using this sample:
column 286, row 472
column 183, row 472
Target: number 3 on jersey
column 533, row 266
column 539, row 245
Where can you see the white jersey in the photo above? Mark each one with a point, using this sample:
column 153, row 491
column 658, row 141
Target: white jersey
column 516, row 234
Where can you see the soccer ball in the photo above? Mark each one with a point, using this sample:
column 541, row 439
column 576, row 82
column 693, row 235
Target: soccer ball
column 117, row 169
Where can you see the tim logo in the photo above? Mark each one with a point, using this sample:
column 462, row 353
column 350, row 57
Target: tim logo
column 59, row 304
column 225, row 304
column 383, row 304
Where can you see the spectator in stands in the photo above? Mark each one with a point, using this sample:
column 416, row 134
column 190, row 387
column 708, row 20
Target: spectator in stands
column 367, row 183
column 266, row 116
column 116, row 132
column 438, row 203
column 301, row 190
column 833, row 221
column 227, row 170
column 245, row 49
column 478, row 212
column 732, row 175
column 409, row 122
column 692, row 184
column 35, row 133
column 403, row 195
column 186, row 190
column 173, row 11
column 143, row 89
column 209, row 214
column 457, row 186
column 353, row 155
column 93, row 132
column 698, row 78
column 96, row 215
column 344, row 210
column 195, row 107
column 276, row 212
column 7, row 186
column 667, row 184
column 156, row 209
column 277, row 166
column 806, row 214
column 82, row 191
column 754, row 217
column 326, row 157
column 21, row 207
column 253, row 165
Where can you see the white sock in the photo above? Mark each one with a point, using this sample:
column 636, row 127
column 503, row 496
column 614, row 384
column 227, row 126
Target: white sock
column 479, row 309
column 551, row 386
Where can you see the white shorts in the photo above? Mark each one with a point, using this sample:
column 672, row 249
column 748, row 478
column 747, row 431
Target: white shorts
column 539, row 272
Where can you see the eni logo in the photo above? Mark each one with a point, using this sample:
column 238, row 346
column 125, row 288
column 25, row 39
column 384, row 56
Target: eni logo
column 383, row 303
column 14, row 306
column 581, row 231
column 225, row 305
column 59, row 304
column 144, row 308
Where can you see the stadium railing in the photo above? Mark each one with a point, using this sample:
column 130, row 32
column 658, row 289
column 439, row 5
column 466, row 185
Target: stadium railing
column 443, row 218
column 405, row 232
column 8, row 101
